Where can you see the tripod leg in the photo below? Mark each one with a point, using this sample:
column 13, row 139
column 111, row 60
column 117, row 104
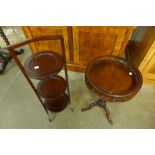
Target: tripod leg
column 102, row 103
column 89, row 106
column 107, row 113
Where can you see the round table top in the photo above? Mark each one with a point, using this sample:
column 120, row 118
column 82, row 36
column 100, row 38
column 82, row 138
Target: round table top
column 43, row 65
column 113, row 76
column 52, row 87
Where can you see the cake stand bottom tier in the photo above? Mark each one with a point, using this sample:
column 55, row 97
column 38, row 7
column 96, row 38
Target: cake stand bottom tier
column 58, row 104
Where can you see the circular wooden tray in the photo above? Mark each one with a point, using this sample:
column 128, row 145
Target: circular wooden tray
column 43, row 65
column 58, row 104
column 52, row 87
column 113, row 76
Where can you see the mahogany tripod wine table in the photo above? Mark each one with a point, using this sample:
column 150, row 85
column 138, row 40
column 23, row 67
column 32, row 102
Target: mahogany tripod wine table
column 113, row 79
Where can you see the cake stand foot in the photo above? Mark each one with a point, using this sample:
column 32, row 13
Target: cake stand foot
column 71, row 106
column 51, row 116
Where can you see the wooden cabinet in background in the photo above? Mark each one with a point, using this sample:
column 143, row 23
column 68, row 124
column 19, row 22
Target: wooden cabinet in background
column 141, row 51
column 83, row 43
column 94, row 41
column 54, row 45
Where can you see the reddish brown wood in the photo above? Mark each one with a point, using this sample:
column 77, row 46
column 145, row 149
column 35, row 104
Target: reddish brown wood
column 12, row 48
column 52, row 87
column 70, row 43
column 58, row 104
column 82, row 43
column 43, row 65
column 113, row 79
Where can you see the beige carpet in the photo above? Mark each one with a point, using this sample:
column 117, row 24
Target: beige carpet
column 20, row 108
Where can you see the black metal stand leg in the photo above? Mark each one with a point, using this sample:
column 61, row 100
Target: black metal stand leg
column 89, row 106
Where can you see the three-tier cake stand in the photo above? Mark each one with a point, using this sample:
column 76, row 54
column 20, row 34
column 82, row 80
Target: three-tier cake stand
column 44, row 66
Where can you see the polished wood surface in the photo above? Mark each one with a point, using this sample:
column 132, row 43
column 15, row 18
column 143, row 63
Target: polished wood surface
column 113, row 77
column 70, row 44
column 95, row 41
column 36, row 62
column 52, row 87
column 43, row 65
column 149, row 70
column 53, row 45
column 58, row 104
column 82, row 43
column 141, row 51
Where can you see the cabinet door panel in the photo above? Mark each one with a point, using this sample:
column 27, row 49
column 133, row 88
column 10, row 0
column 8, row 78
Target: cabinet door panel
column 90, row 42
column 53, row 45
column 97, row 45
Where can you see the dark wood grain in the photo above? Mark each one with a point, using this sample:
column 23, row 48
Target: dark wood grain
column 58, row 104
column 113, row 77
column 52, row 87
column 44, row 64
column 82, row 43
column 70, row 43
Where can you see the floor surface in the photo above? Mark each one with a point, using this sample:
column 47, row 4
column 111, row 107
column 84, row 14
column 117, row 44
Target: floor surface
column 20, row 108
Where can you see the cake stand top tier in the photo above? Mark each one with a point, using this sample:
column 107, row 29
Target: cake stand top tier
column 43, row 65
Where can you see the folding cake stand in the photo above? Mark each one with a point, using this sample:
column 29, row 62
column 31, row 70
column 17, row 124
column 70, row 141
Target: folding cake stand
column 44, row 66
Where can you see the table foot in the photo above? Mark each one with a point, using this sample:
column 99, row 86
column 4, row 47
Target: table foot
column 104, row 106
column 89, row 106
